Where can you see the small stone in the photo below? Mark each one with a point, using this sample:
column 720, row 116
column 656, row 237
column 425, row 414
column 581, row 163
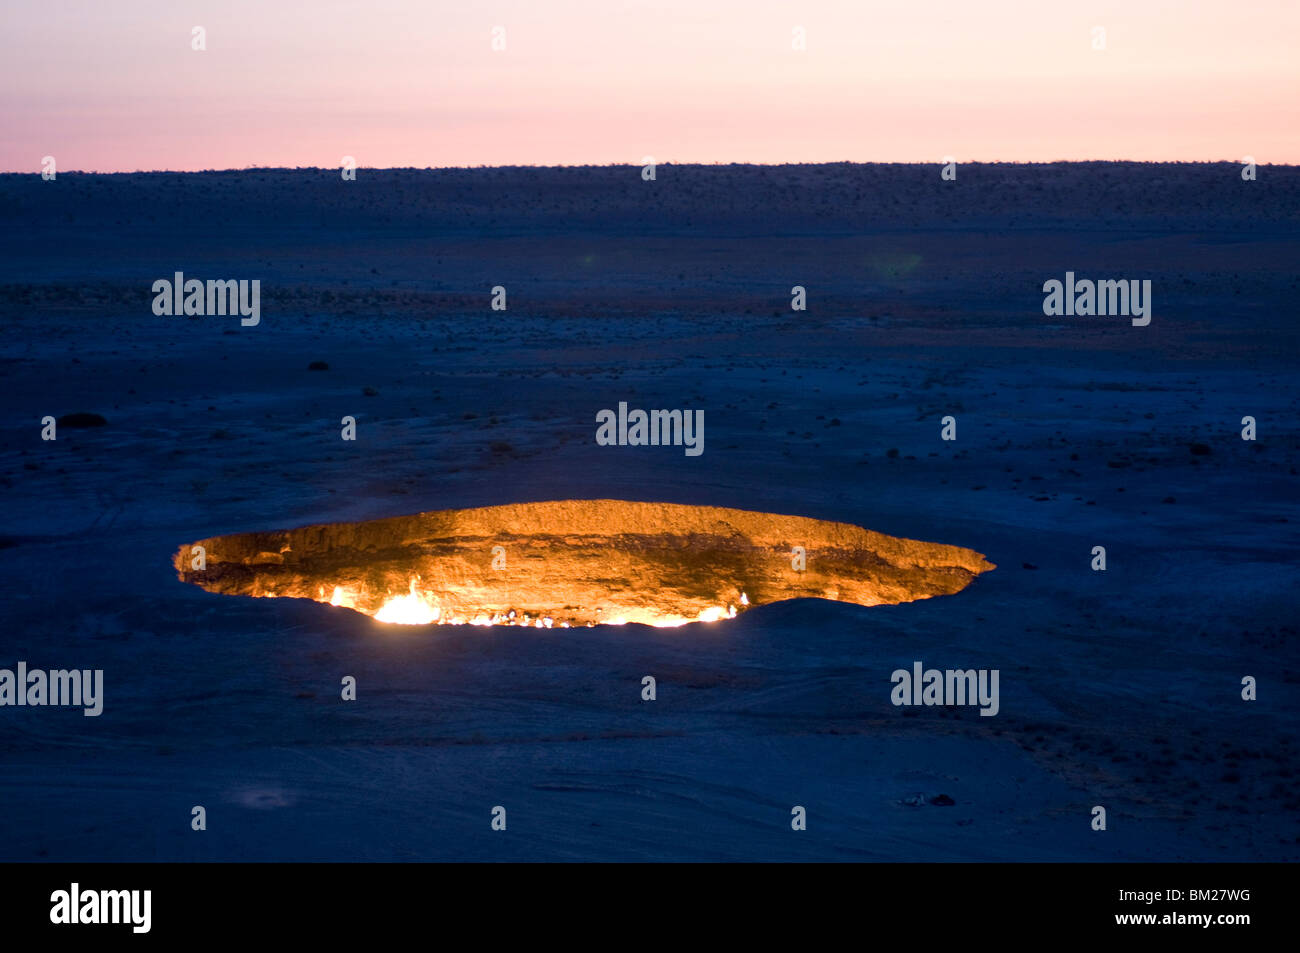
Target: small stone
column 80, row 420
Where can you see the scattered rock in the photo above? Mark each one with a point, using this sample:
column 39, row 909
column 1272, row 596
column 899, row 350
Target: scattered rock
column 80, row 420
column 920, row 800
column 1200, row 449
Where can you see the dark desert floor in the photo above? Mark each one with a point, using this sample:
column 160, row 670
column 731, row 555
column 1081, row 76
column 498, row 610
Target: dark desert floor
column 1119, row 688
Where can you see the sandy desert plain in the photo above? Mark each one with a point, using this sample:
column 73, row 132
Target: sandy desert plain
column 1119, row 688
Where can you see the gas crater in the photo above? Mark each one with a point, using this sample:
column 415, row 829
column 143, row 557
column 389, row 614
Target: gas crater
column 576, row 563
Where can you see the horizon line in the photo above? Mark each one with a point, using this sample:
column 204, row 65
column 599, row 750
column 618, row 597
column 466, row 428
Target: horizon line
column 631, row 165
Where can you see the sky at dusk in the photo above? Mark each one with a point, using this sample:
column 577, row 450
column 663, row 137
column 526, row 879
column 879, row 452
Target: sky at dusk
column 116, row 86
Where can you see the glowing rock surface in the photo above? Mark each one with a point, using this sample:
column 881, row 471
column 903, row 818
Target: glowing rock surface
column 578, row 562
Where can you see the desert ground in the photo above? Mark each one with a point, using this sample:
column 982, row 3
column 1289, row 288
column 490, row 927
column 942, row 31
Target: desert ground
column 1120, row 689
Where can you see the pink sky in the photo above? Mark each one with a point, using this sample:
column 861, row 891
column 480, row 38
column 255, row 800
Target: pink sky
column 115, row 86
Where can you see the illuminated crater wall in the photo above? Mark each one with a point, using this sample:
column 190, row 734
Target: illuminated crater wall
column 577, row 562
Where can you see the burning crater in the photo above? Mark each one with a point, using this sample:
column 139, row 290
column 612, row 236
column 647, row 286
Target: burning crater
column 577, row 563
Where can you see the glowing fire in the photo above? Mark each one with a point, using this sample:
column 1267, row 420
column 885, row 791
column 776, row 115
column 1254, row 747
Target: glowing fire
column 418, row 608
column 717, row 613
column 410, row 609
